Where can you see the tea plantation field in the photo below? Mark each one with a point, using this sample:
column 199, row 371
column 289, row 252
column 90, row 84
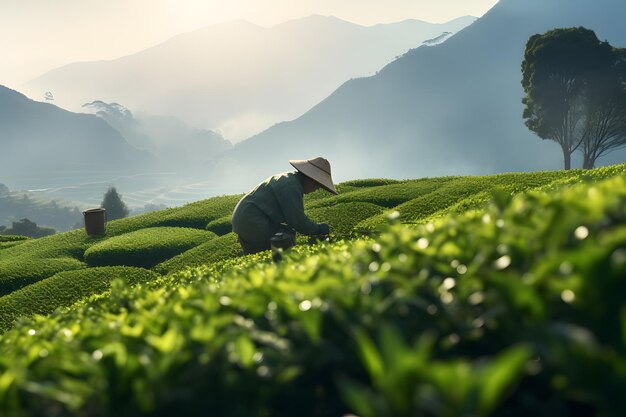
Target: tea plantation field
column 500, row 295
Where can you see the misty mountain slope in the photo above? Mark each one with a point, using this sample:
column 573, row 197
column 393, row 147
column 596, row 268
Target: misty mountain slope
column 239, row 77
column 177, row 145
column 453, row 108
column 42, row 139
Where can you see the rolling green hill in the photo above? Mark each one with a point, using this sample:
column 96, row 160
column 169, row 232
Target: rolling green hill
column 137, row 241
column 477, row 299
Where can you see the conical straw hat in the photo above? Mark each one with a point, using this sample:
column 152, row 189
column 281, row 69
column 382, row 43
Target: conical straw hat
column 317, row 169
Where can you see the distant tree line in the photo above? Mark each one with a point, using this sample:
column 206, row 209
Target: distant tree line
column 575, row 92
column 15, row 206
column 28, row 228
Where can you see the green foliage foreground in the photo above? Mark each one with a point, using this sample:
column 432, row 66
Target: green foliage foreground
column 516, row 309
column 64, row 289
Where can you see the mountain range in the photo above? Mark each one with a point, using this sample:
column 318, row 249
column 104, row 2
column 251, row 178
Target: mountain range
column 176, row 145
column 452, row 108
column 439, row 109
column 43, row 140
column 238, row 77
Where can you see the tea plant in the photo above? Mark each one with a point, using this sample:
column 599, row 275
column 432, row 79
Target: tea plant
column 8, row 241
column 24, row 263
column 343, row 217
column 215, row 250
column 461, row 194
column 512, row 309
column 146, row 247
column 221, row 226
column 64, row 289
column 389, row 195
column 194, row 215
column 36, row 259
column 12, row 238
column 370, row 182
column 350, row 186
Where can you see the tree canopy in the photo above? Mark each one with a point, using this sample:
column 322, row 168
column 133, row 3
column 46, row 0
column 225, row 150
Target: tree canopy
column 114, row 206
column 605, row 127
column 574, row 88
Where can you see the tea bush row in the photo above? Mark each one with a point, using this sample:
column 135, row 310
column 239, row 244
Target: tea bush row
column 514, row 309
column 461, row 194
column 25, row 272
column 42, row 258
column 370, row 182
column 215, row 250
column 221, row 226
column 343, row 217
column 12, row 238
column 38, row 259
column 350, row 186
column 146, row 247
column 194, row 215
column 34, row 260
column 6, row 245
column 64, row 289
column 578, row 176
column 507, row 185
column 387, row 196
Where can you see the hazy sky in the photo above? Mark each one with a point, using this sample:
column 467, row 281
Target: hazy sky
column 38, row 35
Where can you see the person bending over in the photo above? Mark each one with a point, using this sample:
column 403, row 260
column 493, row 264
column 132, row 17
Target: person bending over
column 276, row 205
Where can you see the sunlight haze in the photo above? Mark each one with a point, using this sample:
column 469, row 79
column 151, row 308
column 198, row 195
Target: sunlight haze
column 38, row 35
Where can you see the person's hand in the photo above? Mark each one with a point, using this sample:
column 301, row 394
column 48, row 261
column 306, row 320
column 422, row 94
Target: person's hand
column 324, row 229
column 315, row 239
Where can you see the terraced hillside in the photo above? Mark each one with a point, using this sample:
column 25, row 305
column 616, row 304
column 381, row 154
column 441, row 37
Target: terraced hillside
column 479, row 305
column 171, row 240
column 199, row 233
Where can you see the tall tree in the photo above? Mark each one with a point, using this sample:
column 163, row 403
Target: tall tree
column 556, row 72
column 605, row 127
column 114, row 206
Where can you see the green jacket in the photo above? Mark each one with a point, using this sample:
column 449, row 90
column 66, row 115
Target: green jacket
column 280, row 200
